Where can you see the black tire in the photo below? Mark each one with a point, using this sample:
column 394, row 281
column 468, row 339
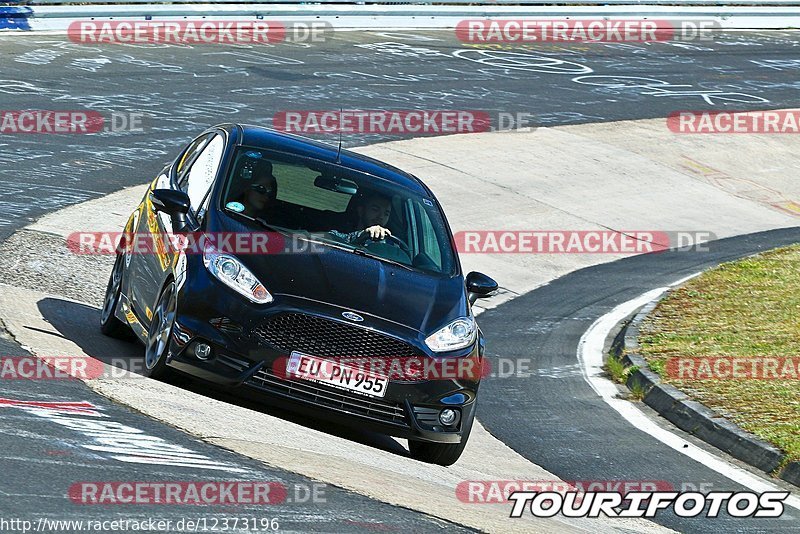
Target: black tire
column 441, row 453
column 109, row 324
column 159, row 333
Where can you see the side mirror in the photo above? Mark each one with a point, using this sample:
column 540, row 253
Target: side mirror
column 174, row 203
column 479, row 286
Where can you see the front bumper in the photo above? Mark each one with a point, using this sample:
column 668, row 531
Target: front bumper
column 209, row 312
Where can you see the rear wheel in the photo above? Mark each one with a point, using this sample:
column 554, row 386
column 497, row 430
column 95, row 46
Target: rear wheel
column 159, row 333
column 441, row 453
column 109, row 324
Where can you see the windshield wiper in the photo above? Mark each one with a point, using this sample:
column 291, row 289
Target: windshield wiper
column 258, row 220
column 362, row 252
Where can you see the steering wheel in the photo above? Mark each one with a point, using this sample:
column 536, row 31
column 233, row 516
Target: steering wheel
column 399, row 242
column 390, row 243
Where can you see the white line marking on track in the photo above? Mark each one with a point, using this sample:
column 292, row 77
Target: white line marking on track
column 590, row 356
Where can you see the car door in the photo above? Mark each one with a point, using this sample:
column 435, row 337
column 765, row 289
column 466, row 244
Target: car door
column 138, row 267
column 194, row 174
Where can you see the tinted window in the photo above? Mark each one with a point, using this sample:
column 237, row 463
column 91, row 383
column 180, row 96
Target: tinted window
column 430, row 245
column 296, row 185
column 334, row 205
column 188, row 156
column 203, row 170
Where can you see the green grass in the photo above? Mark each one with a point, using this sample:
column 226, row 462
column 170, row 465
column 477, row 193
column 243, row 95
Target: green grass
column 637, row 391
column 616, row 369
column 619, row 373
column 745, row 309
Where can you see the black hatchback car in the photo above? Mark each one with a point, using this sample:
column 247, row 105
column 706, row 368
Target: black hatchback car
column 360, row 266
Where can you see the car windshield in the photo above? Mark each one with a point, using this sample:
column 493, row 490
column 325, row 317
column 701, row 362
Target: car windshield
column 339, row 207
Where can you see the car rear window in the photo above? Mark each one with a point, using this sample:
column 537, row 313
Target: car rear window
column 296, row 186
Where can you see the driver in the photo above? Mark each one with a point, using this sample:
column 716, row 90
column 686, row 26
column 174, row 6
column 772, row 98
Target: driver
column 373, row 212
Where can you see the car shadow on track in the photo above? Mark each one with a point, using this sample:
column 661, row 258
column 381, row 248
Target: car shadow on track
column 80, row 324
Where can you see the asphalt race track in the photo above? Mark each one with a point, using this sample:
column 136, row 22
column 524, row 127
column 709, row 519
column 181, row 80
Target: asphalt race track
column 42, row 460
column 181, row 90
column 555, row 418
column 552, row 418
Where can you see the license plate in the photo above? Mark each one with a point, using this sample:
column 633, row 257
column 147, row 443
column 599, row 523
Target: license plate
column 336, row 374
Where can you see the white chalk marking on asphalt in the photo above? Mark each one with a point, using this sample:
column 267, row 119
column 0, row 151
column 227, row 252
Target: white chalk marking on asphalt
column 123, row 442
column 590, row 356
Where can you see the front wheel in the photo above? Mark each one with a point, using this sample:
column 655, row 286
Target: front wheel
column 109, row 324
column 159, row 333
column 441, row 453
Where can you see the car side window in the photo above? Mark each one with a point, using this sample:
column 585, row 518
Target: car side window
column 429, row 243
column 202, row 172
column 188, row 156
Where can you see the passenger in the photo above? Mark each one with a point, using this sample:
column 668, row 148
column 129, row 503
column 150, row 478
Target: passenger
column 260, row 196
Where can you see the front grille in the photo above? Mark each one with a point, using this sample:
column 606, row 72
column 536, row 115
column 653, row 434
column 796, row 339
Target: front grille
column 317, row 336
column 319, row 395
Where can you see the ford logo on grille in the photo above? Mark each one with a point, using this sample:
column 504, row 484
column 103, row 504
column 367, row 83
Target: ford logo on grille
column 352, row 316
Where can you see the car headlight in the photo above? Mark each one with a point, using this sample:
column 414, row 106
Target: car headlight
column 457, row 335
column 230, row 271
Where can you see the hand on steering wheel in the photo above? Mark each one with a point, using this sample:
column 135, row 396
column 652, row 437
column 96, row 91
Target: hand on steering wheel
column 378, row 232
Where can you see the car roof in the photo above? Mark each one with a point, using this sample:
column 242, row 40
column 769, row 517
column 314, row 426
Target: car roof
column 260, row 137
